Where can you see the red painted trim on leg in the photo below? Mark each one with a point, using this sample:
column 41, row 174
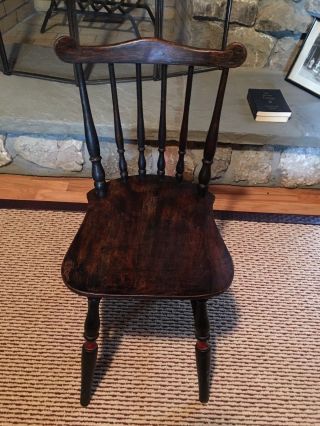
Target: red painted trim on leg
column 90, row 346
column 202, row 345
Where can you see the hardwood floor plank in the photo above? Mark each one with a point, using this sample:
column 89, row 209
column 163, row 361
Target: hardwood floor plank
column 229, row 198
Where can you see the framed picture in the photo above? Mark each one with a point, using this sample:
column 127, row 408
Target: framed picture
column 305, row 71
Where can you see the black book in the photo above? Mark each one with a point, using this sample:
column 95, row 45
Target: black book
column 268, row 103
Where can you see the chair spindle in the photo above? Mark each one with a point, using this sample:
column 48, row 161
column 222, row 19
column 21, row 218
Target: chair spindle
column 212, row 136
column 184, row 126
column 92, row 140
column 117, row 124
column 162, row 125
column 140, row 124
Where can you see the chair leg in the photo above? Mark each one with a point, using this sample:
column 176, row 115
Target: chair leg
column 89, row 350
column 203, row 350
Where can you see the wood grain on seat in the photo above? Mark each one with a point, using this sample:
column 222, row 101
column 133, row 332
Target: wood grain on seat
column 151, row 237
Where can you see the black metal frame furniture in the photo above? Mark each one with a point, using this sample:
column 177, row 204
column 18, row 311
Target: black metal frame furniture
column 9, row 67
column 149, row 236
column 106, row 10
column 3, row 57
column 70, row 8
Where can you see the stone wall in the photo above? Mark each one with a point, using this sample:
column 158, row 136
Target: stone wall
column 14, row 11
column 233, row 164
column 270, row 29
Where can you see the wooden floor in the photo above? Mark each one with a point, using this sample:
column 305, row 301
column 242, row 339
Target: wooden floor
column 228, row 198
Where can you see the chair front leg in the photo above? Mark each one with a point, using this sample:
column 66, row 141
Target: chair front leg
column 89, row 349
column 203, row 350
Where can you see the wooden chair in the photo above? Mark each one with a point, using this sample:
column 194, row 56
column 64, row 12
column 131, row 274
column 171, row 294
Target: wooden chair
column 148, row 236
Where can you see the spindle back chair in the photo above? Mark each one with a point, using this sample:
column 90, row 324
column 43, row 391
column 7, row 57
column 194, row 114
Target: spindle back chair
column 149, row 236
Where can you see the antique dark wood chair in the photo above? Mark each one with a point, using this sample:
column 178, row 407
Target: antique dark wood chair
column 149, row 236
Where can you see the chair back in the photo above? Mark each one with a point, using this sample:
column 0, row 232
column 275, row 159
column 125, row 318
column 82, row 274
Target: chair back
column 162, row 53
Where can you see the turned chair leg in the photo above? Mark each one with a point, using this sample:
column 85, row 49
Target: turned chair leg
column 203, row 350
column 89, row 350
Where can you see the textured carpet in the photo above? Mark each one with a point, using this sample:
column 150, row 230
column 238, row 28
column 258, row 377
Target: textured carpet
column 266, row 335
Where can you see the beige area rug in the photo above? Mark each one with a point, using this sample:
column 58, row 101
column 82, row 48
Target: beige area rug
column 266, row 335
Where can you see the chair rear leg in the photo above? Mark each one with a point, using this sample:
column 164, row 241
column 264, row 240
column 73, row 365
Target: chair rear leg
column 203, row 350
column 89, row 350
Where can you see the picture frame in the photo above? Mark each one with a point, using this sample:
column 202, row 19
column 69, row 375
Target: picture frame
column 305, row 71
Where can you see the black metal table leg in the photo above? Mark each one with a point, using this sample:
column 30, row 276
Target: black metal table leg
column 72, row 20
column 53, row 6
column 4, row 58
column 158, row 28
column 73, row 27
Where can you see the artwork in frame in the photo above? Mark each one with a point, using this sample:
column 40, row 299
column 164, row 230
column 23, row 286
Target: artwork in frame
column 305, row 71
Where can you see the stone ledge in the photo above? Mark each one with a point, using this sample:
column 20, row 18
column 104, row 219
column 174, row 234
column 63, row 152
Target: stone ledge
column 49, row 108
column 41, row 124
column 233, row 164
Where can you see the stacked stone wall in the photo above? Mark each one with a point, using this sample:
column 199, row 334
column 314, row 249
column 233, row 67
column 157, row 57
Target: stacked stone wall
column 247, row 165
column 271, row 30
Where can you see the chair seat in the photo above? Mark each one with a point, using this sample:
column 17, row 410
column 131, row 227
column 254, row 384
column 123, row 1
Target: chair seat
column 148, row 237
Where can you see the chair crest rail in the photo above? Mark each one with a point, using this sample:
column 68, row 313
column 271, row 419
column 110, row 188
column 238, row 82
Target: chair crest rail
column 150, row 51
